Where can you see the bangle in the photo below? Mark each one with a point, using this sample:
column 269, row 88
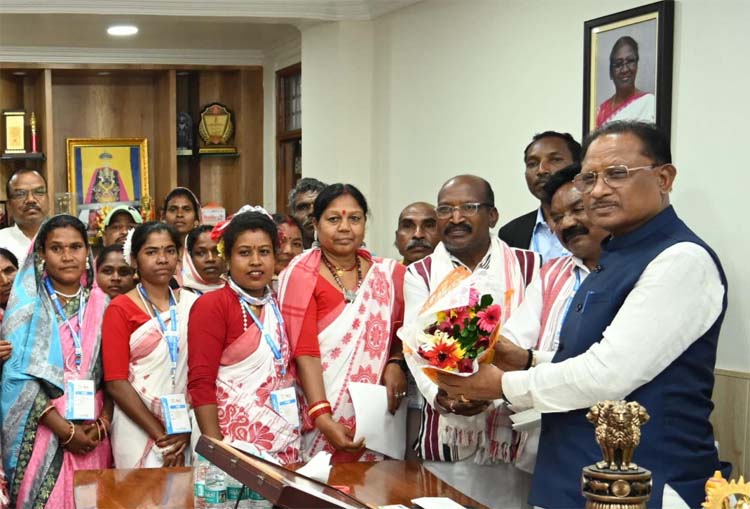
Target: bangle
column 46, row 411
column 322, row 411
column 72, row 434
column 400, row 361
column 318, row 405
column 530, row 359
column 319, row 408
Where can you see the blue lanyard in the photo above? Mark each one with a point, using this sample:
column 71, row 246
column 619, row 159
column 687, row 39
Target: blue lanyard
column 274, row 347
column 60, row 311
column 171, row 336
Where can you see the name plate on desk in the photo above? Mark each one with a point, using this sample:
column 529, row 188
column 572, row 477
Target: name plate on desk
column 275, row 483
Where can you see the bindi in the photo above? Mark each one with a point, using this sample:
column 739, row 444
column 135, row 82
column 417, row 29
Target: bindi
column 343, row 213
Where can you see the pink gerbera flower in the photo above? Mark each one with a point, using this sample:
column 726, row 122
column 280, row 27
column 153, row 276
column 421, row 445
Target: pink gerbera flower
column 473, row 297
column 489, row 318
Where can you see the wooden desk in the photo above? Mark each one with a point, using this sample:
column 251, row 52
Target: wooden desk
column 382, row 483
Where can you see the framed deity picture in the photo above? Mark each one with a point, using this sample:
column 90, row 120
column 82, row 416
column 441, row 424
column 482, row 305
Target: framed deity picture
column 627, row 66
column 104, row 173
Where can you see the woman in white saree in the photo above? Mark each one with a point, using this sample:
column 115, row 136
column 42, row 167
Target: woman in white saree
column 145, row 353
column 239, row 377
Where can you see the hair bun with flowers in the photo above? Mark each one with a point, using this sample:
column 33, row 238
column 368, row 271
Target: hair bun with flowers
column 218, row 230
column 127, row 246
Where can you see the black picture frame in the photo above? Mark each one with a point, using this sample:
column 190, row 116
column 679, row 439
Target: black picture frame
column 654, row 25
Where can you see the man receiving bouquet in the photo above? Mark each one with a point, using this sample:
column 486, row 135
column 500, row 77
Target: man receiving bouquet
column 455, row 300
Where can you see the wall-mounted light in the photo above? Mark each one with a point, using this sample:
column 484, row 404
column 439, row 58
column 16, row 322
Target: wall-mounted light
column 122, row 30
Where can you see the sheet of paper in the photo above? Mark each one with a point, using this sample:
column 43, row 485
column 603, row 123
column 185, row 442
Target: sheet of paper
column 383, row 432
column 318, row 468
column 526, row 420
column 437, row 503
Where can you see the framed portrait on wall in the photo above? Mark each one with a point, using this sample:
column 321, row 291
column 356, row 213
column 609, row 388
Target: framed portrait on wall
column 627, row 66
column 104, row 173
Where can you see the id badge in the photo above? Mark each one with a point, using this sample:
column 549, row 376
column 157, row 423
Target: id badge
column 80, row 404
column 284, row 402
column 176, row 416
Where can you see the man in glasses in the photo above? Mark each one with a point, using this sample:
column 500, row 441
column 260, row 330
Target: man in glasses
column 28, row 206
column 643, row 326
column 547, row 153
column 301, row 200
column 469, row 444
column 117, row 223
column 531, row 336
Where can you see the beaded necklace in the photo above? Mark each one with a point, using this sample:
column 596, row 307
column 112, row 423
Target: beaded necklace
column 349, row 295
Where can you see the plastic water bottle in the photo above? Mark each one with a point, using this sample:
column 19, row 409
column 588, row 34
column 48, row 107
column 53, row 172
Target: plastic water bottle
column 200, row 471
column 256, row 501
column 216, row 488
column 236, row 491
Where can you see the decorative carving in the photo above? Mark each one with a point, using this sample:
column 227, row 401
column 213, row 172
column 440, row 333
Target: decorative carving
column 618, row 432
column 719, row 493
column 617, row 482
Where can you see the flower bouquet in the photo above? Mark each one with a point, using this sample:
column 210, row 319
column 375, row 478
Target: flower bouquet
column 455, row 339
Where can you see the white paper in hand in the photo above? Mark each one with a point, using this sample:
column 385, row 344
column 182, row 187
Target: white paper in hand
column 383, row 432
column 526, row 420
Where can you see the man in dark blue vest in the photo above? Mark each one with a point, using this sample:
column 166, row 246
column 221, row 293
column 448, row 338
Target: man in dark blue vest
column 643, row 327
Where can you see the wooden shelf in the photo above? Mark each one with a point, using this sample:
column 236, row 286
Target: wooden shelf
column 80, row 101
column 38, row 156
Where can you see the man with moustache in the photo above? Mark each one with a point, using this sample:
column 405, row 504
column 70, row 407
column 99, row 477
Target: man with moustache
column 470, row 445
column 643, row 326
column 532, row 334
column 547, row 153
column 118, row 222
column 301, row 200
column 28, row 206
column 416, row 235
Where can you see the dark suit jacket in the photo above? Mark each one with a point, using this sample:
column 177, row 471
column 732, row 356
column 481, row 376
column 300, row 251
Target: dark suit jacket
column 517, row 233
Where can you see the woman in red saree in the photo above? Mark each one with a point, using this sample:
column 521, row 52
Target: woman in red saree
column 342, row 308
column 238, row 355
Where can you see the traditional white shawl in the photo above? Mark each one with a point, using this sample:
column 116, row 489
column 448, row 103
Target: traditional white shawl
column 150, row 375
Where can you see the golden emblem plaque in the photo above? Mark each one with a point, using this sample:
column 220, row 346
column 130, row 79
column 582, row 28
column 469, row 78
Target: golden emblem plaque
column 14, row 132
column 617, row 482
column 216, row 129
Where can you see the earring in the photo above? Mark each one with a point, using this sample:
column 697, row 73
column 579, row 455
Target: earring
column 88, row 265
column 44, row 265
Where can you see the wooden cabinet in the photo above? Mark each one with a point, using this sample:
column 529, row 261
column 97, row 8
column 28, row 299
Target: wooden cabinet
column 142, row 101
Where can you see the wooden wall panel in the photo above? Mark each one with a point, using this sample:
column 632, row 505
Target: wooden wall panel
column 11, row 97
column 119, row 105
column 731, row 419
column 164, row 145
column 43, row 112
column 250, row 137
column 220, row 176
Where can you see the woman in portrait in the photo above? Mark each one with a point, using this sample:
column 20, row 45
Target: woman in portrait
column 342, row 308
column 144, row 344
column 53, row 322
column 113, row 275
column 290, row 243
column 202, row 265
column 239, row 356
column 628, row 102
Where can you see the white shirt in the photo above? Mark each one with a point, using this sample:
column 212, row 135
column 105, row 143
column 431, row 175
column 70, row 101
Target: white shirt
column 675, row 301
column 15, row 241
column 524, row 325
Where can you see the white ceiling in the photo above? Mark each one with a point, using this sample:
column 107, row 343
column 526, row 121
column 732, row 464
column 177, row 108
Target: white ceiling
column 173, row 32
column 207, row 31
